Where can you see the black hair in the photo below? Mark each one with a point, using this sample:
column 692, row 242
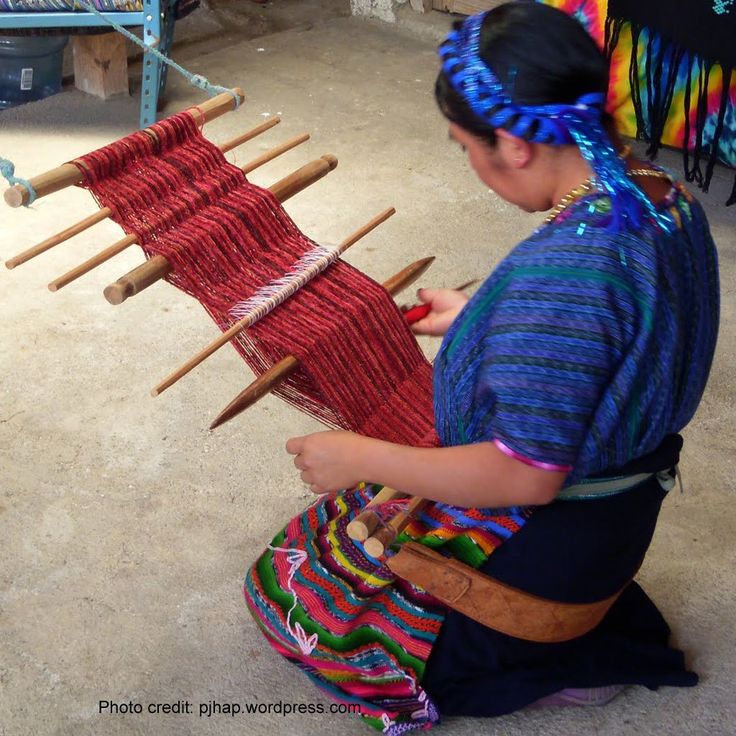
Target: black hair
column 541, row 56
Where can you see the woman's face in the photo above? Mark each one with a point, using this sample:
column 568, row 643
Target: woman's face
column 493, row 165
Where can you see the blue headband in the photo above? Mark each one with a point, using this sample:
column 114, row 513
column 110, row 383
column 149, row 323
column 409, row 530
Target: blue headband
column 579, row 123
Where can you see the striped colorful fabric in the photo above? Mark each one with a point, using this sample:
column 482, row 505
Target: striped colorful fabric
column 46, row 6
column 358, row 632
column 183, row 7
column 585, row 348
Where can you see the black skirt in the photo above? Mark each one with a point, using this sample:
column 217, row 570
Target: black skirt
column 574, row 552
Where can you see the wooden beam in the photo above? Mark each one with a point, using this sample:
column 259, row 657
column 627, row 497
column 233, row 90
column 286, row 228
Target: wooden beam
column 68, row 174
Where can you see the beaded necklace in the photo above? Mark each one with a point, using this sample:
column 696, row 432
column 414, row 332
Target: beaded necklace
column 589, row 185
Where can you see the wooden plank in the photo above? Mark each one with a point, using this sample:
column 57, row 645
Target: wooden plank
column 466, row 7
column 101, row 65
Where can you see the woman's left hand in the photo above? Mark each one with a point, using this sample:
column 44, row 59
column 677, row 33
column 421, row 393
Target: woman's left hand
column 328, row 461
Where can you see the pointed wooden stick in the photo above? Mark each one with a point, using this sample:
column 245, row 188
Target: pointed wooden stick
column 381, row 540
column 366, row 522
column 158, row 267
column 271, row 154
column 251, row 318
column 67, row 174
column 105, row 212
column 280, row 371
column 128, row 240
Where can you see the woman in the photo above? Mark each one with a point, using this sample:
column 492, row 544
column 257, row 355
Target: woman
column 570, row 371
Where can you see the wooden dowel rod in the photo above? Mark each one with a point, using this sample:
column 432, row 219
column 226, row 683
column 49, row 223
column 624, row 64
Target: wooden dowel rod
column 68, row 174
column 61, row 237
column 249, row 320
column 244, row 137
column 377, row 544
column 158, row 267
column 89, row 264
column 267, row 156
column 366, row 522
column 129, row 240
column 280, row 371
column 105, row 212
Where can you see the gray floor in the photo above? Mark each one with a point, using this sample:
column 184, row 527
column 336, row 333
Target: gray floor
column 127, row 526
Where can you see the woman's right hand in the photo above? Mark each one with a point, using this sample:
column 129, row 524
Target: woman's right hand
column 445, row 306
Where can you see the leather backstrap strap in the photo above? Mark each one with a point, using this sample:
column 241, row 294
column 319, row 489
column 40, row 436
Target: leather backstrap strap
column 492, row 603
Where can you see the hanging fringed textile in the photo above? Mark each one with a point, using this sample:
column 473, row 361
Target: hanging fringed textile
column 671, row 78
column 682, row 55
column 361, row 368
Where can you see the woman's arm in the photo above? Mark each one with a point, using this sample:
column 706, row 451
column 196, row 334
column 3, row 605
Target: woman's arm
column 478, row 475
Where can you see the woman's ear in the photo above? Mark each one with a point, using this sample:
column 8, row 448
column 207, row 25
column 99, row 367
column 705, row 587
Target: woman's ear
column 517, row 152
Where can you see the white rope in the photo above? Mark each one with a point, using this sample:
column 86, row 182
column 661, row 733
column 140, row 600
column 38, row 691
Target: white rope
column 268, row 297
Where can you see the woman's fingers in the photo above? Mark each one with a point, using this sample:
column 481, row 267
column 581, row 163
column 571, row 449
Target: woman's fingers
column 426, row 296
column 424, row 326
column 295, row 445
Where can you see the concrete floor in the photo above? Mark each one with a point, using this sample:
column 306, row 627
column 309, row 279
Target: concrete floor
column 127, row 525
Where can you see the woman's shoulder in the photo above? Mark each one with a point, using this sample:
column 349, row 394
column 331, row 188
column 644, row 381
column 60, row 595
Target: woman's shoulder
column 577, row 238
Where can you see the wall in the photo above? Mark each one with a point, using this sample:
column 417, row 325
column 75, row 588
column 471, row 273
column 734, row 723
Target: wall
column 383, row 9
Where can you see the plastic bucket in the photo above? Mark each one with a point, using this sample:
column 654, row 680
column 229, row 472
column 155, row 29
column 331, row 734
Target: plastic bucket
column 30, row 68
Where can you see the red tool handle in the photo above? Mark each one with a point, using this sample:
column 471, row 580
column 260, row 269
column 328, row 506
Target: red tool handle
column 417, row 312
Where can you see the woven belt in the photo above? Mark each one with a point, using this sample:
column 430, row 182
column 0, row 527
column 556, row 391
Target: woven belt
column 599, row 488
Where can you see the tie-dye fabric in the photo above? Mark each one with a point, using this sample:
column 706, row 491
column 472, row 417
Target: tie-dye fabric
column 677, row 98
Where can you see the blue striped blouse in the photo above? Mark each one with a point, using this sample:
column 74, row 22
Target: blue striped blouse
column 584, row 348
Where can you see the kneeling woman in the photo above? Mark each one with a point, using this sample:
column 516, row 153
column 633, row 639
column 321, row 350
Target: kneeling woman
column 559, row 390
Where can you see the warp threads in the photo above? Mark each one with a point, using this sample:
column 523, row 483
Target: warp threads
column 225, row 238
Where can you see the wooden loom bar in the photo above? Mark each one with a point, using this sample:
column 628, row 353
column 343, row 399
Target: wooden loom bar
column 382, row 539
column 128, row 240
column 67, row 174
column 247, row 321
column 250, row 134
column 105, row 212
column 96, row 260
column 272, row 153
column 61, row 237
column 367, row 521
column 158, row 267
column 280, row 371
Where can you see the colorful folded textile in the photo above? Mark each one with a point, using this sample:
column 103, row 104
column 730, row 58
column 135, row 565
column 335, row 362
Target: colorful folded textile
column 45, row 6
column 183, row 7
column 359, row 632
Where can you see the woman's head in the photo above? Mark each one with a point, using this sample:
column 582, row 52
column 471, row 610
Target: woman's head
column 528, row 85
column 540, row 56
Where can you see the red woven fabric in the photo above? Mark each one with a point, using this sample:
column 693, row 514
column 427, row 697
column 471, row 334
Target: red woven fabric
column 361, row 368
